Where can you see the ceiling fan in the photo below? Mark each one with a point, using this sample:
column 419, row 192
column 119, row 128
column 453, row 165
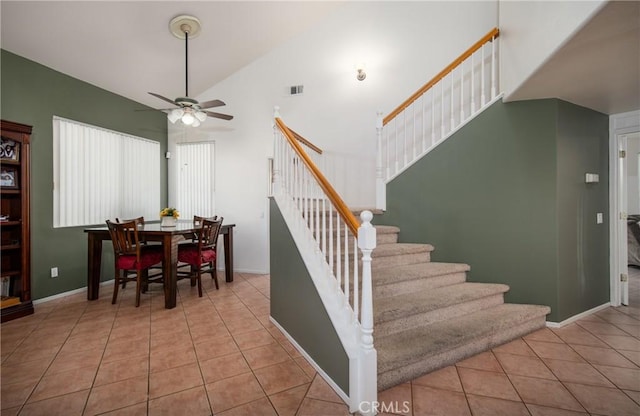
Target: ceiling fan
column 188, row 110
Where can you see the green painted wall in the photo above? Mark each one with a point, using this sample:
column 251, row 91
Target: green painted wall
column 296, row 306
column 495, row 196
column 32, row 94
column 583, row 146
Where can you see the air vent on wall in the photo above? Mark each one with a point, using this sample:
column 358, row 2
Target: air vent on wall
column 296, row 89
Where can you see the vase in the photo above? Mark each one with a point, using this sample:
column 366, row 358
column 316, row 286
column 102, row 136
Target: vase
column 167, row 222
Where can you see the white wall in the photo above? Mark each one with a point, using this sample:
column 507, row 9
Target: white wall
column 531, row 31
column 403, row 45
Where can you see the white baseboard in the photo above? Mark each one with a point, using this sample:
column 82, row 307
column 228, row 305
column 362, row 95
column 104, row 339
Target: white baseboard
column 69, row 293
column 320, row 371
column 578, row 316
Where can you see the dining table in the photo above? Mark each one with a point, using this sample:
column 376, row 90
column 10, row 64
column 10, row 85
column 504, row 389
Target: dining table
column 170, row 238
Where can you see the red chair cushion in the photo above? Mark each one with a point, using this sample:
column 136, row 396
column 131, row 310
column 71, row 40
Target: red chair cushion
column 189, row 254
column 148, row 257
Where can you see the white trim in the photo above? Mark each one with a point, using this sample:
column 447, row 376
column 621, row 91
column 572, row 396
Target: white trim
column 69, row 293
column 318, row 369
column 619, row 124
column 578, row 316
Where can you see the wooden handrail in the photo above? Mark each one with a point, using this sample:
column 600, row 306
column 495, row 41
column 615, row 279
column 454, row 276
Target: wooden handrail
column 494, row 33
column 306, row 142
column 341, row 207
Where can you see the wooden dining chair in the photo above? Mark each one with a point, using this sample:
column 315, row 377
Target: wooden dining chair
column 201, row 253
column 132, row 256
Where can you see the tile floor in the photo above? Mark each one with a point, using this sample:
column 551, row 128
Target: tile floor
column 220, row 355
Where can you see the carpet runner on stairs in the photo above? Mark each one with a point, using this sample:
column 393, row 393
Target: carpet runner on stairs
column 426, row 316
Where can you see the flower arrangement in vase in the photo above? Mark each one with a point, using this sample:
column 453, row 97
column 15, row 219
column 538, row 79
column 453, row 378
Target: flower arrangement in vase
column 168, row 217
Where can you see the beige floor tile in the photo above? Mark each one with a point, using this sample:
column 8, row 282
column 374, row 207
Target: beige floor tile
column 222, row 367
column 233, row 391
column 604, row 401
column 633, row 356
column 24, row 372
column 483, row 361
column 542, row 392
column 321, row 390
column 265, row 356
column 15, row 394
column 489, row 406
column 621, row 342
column 280, row 377
column 175, row 379
column 139, row 409
column 544, row 335
column 516, row 347
column 536, row 410
column 66, row 405
column 72, row 360
column 313, row 407
column 262, row 407
column 600, row 328
column 63, row 383
column 288, row 402
column 604, row 356
column 306, row 366
column 633, row 330
column 554, row 350
column 575, row 334
column 635, row 395
column 582, row 373
column 524, row 366
column 215, row 347
column 192, row 402
column 487, row 383
column 396, row 399
column 253, row 339
column 434, row 402
column 445, row 378
column 110, row 397
column 112, row 371
column 165, row 358
column 122, row 348
column 623, row 378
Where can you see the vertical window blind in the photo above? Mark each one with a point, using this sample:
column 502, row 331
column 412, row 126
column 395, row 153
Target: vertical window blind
column 100, row 174
column 196, row 185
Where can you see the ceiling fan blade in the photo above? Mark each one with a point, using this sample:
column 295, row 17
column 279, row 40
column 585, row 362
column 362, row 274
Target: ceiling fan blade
column 218, row 115
column 163, row 98
column 211, row 104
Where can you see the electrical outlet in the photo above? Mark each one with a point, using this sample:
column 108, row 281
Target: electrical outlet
column 54, row 272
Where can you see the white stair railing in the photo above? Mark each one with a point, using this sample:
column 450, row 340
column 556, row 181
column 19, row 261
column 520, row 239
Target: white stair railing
column 453, row 97
column 318, row 219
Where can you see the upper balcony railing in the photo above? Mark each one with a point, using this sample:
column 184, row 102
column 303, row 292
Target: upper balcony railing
column 443, row 105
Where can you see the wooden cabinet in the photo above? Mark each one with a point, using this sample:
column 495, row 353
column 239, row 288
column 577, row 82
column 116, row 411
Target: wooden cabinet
column 15, row 234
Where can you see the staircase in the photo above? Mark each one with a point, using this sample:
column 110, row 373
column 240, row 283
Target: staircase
column 427, row 316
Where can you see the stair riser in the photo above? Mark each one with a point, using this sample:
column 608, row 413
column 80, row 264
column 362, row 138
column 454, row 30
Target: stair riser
column 391, row 261
column 410, row 286
column 425, row 365
column 442, row 314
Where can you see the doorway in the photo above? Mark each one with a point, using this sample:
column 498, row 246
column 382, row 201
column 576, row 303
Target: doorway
column 624, row 201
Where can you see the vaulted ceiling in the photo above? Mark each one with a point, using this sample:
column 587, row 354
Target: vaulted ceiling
column 126, row 47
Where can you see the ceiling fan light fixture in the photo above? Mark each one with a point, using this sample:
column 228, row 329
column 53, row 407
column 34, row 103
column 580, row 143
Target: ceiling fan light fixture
column 188, row 118
column 195, row 123
column 201, row 116
column 174, row 115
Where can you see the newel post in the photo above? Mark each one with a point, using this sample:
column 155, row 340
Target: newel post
column 367, row 390
column 381, row 189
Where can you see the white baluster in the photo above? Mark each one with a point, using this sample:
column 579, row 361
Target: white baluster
column 461, row 92
column 441, row 82
column 330, row 214
column 473, row 91
column 452, row 122
column 397, row 154
column 493, row 68
column 338, row 252
column 346, row 265
column 424, row 124
column 381, row 199
column 356, row 278
column 388, row 148
column 433, row 116
column 324, row 226
column 483, row 98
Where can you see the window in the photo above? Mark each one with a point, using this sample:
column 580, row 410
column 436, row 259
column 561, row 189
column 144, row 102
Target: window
column 100, row 174
column 196, row 186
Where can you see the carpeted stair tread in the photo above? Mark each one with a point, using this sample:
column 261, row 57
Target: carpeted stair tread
column 421, row 302
column 417, row 344
column 389, row 275
column 386, row 229
column 385, row 250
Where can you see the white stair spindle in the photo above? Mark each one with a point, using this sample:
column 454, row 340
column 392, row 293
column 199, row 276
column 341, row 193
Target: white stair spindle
column 356, row 278
column 441, row 82
column 461, row 92
column 493, row 68
column 483, row 98
column 473, row 91
column 346, row 265
column 433, row 116
column 424, row 124
column 451, row 122
column 338, row 252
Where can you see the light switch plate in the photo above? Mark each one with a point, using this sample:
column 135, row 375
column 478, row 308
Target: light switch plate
column 599, row 218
